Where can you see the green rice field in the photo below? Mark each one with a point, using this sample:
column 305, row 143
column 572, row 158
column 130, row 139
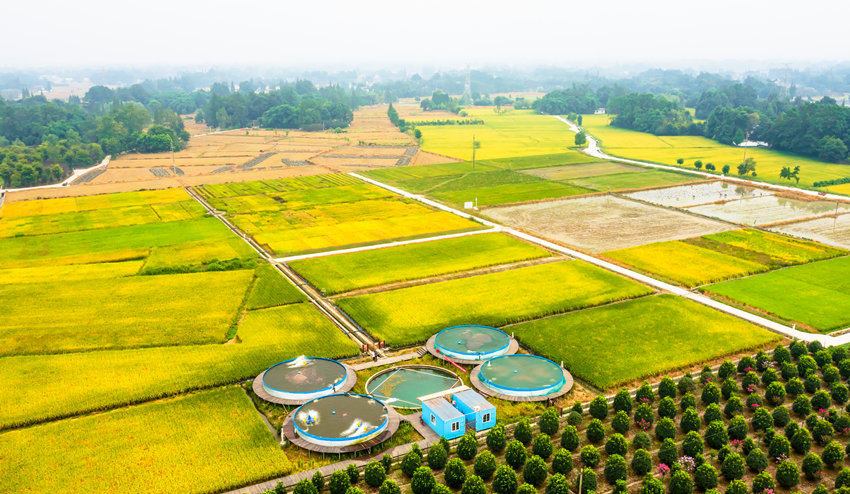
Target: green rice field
column 272, row 289
column 411, row 315
column 636, row 339
column 345, row 272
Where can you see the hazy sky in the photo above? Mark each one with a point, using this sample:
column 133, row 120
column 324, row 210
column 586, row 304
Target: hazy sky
column 331, row 33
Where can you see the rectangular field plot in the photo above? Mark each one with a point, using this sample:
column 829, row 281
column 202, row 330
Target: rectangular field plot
column 91, row 203
column 816, row 294
column 345, row 272
column 120, row 312
column 602, row 223
column 702, row 193
column 42, row 387
column 70, row 272
column 769, row 209
column 779, row 248
column 411, row 315
column 271, row 289
column 829, row 230
column 635, row 339
column 510, row 193
column 216, row 435
column 620, row 181
column 568, row 172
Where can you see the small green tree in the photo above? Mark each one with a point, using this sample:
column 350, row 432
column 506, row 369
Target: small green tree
column 616, row 445
column 505, row 480
column 437, row 457
column 535, row 471
column 455, row 472
column 641, row 462
column 549, row 422
column 353, row 473
column 423, row 481
column 705, row 477
column 339, row 482
column 541, row 447
column 410, row 462
column 497, row 439
column 569, row 438
column 590, row 456
column 621, row 422
column 812, row 466
column 787, row 474
column 733, row 466
column 623, row 401
column 374, row 473
column 562, row 462
column 485, row 465
column 305, row 486
column 473, row 485
column 599, row 407
column 757, row 460
column 389, row 487
column 681, row 483
column 522, row 432
column 467, row 447
column 557, row 484
column 318, row 481
column 515, row 454
column 615, row 469
column 581, row 139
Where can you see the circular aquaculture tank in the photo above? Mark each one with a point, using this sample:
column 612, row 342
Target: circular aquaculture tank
column 304, row 378
column 522, row 375
column 402, row 386
column 472, row 342
column 339, row 420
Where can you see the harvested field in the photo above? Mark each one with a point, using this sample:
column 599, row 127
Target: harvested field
column 602, row 223
column 411, row 315
column 567, row 172
column 639, row 338
column 769, row 209
column 830, row 230
column 702, row 193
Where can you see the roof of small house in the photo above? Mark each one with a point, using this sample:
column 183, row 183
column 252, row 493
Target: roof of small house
column 474, row 400
column 442, row 408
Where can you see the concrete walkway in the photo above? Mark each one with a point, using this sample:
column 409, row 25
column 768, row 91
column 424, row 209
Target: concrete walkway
column 77, row 173
column 660, row 285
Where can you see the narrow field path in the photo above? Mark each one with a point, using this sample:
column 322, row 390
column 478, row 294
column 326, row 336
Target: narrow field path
column 77, row 173
column 647, row 280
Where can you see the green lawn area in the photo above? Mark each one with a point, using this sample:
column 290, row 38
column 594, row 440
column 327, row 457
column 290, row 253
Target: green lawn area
column 345, row 272
column 635, row 339
column 42, row 387
column 206, row 442
column 411, row 315
column 816, row 294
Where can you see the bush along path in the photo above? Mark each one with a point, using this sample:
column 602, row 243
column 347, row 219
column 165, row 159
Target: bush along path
column 764, row 425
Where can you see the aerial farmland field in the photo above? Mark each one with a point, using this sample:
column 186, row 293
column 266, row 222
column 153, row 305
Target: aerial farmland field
column 829, row 230
column 600, row 223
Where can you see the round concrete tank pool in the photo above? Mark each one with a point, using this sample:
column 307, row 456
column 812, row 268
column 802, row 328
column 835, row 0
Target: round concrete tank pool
column 339, row 420
column 304, row 378
column 522, row 375
column 472, row 342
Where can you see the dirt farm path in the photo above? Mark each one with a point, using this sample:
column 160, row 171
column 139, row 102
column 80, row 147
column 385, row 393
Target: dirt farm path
column 660, row 285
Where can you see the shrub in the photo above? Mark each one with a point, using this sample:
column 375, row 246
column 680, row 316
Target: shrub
column 737, row 428
column 562, row 462
column 705, row 477
column 643, row 416
column 746, row 364
column 802, row 406
column 812, row 466
column 757, row 460
column 423, row 481
column 722, row 453
column 644, row 394
column 569, row 438
column 844, row 368
column 665, row 428
column 437, row 457
column 762, row 482
column 668, row 453
column 781, row 354
column 748, row 445
column 387, row 460
column 505, row 480
column 830, row 374
column 440, row 488
column 839, row 393
column 389, row 487
column 727, row 369
column 814, row 347
column 574, row 418
column 374, row 473
column 318, row 480
column 732, row 467
column 587, row 480
column 595, row 431
column 690, row 420
column 354, row 490
column 535, row 471
column 789, row 371
column 526, row 489
column 455, row 473
column 497, row 439
column 651, row 485
column 304, row 486
column 798, row 348
column 822, row 357
column 522, row 432
column 706, row 375
column 812, row 383
column 781, row 416
column 820, row 489
column 641, row 462
column 733, row 406
column 599, row 407
column 467, row 447
column 775, row 393
column 473, row 485
column 806, row 364
column 821, row 400
column 832, row 453
column 779, row 447
column 787, row 474
column 686, row 384
column 710, row 394
column 712, row 413
column 822, row 431
column 769, row 376
column 590, row 456
column 811, row 420
column 641, row 440
column 841, row 424
column 839, row 353
column 843, row 478
column 577, row 407
column 716, row 435
column 549, row 422
column 762, row 419
column 754, row 401
column 801, row 440
column 737, row 486
column 542, row 447
column 667, row 387
column 515, row 454
column 557, row 484
column 339, row 482
column 623, row 401
column 729, row 387
column 687, row 401
column 485, row 465
column 616, row 445
column 410, row 463
column 692, row 445
column 353, row 473
column 667, row 408
column 681, row 483
column 621, row 422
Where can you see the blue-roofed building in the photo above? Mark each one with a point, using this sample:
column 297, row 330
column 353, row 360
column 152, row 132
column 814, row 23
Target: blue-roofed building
column 448, row 412
column 479, row 413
